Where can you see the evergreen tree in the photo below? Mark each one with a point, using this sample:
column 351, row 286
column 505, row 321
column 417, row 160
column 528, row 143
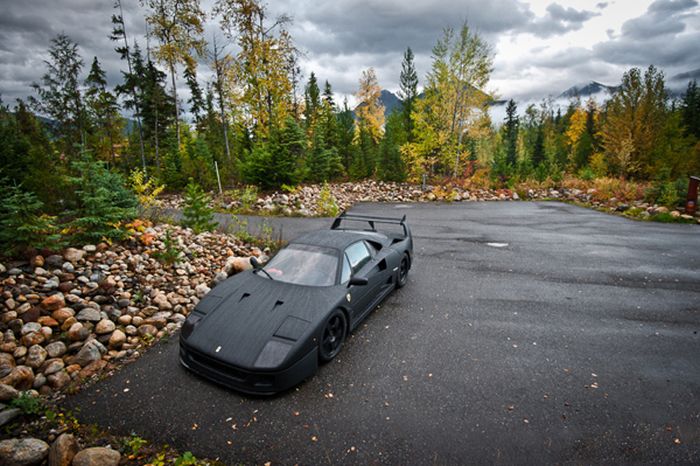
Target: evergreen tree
column 197, row 213
column 408, row 89
column 346, row 134
column 196, row 100
column 390, row 166
column 690, row 110
column 312, row 104
column 103, row 110
column 59, row 93
column 510, row 133
column 329, row 118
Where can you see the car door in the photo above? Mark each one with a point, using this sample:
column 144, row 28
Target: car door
column 361, row 297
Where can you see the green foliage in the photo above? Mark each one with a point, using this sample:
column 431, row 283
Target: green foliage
column 327, row 204
column 197, row 212
column 586, row 174
column 22, row 223
column 186, row 459
column 170, row 252
column 102, row 202
column 133, row 444
column 28, row 404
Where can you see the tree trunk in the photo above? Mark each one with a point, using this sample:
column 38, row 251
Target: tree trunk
column 177, row 108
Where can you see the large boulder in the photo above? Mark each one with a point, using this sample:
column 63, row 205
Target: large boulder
column 73, row 255
column 97, row 456
column 236, row 265
column 63, row 450
column 23, row 452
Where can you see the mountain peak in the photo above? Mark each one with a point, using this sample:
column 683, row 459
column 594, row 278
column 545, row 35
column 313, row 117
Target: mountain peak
column 587, row 90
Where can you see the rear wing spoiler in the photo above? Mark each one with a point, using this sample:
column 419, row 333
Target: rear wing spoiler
column 371, row 220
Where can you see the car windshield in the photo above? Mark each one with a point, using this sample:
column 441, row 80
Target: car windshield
column 304, row 265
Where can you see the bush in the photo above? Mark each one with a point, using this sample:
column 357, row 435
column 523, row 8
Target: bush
column 197, row 213
column 146, row 189
column 327, row 204
column 22, row 224
column 102, row 203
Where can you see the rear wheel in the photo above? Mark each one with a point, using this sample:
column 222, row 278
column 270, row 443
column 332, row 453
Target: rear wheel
column 403, row 272
column 334, row 334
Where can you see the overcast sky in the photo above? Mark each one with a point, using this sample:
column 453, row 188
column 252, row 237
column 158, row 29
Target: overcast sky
column 541, row 47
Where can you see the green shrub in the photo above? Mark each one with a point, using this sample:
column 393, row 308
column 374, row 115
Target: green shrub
column 28, row 404
column 171, row 251
column 197, row 213
column 327, row 204
column 586, row 174
column 22, row 224
column 102, row 203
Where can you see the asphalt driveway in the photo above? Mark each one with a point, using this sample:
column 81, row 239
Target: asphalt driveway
column 528, row 333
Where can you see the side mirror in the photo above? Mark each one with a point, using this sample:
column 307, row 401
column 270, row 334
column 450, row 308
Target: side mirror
column 254, row 262
column 358, row 281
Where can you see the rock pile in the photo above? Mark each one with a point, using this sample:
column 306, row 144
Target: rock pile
column 64, row 318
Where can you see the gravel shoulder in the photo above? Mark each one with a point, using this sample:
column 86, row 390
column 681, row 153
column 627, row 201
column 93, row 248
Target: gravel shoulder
column 528, row 333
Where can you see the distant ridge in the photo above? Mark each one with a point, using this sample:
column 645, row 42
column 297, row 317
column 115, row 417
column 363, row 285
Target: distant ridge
column 587, row 90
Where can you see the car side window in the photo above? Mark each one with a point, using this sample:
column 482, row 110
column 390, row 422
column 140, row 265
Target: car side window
column 358, row 255
column 346, row 271
column 372, row 248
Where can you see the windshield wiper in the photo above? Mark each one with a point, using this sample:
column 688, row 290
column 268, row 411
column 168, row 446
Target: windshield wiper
column 265, row 272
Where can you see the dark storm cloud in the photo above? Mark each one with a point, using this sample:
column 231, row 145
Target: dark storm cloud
column 559, row 20
column 601, row 5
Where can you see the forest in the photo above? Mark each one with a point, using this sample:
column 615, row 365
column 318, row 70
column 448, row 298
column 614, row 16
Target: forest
column 77, row 154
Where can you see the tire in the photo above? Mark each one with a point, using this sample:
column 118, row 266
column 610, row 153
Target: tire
column 333, row 336
column 403, row 272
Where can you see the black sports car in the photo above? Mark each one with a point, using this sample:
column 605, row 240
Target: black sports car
column 265, row 330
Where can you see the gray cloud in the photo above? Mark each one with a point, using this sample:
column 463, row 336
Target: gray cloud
column 559, row 20
column 343, row 37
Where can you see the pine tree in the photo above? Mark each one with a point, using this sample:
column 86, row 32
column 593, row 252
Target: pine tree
column 197, row 213
column 390, row 166
column 510, row 133
column 118, row 35
column 104, row 111
column 59, row 93
column 196, row 100
column 346, row 134
column 408, row 89
column 312, row 104
column 690, row 110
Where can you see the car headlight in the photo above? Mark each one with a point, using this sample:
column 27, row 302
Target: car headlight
column 272, row 354
column 189, row 324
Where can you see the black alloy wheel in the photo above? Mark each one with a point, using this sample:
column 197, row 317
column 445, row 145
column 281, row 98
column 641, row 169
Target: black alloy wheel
column 333, row 336
column 403, row 272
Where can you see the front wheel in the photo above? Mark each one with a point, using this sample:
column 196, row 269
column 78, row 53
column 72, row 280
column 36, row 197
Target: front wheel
column 334, row 334
column 403, row 272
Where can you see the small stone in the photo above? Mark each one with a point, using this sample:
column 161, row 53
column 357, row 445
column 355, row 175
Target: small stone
column 54, row 260
column 60, row 315
column 202, row 289
column 117, row 339
column 162, row 302
column 104, row 326
column 686, row 217
column 36, row 357
column 21, row 377
column 30, row 327
column 89, row 248
column 38, row 261
column 662, row 210
column 92, row 369
column 68, row 323
column 52, row 366
column 124, row 319
column 8, row 415
column 7, row 363
column 89, row 314
column 236, row 265
column 7, row 393
column 63, row 450
column 77, row 332
column 68, row 267
column 23, row 452
column 91, row 351
column 34, row 338
column 53, row 302
column 97, row 456
column 73, row 255
column 39, row 381
column 59, row 379
column 147, row 329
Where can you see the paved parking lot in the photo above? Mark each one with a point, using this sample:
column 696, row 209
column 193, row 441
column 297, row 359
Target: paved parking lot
column 528, row 333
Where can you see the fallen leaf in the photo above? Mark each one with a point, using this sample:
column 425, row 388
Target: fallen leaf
column 526, row 421
column 677, row 441
column 195, row 426
column 314, row 438
column 510, row 407
column 296, row 413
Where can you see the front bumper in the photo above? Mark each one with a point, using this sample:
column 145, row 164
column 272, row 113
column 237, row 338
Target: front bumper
column 245, row 380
